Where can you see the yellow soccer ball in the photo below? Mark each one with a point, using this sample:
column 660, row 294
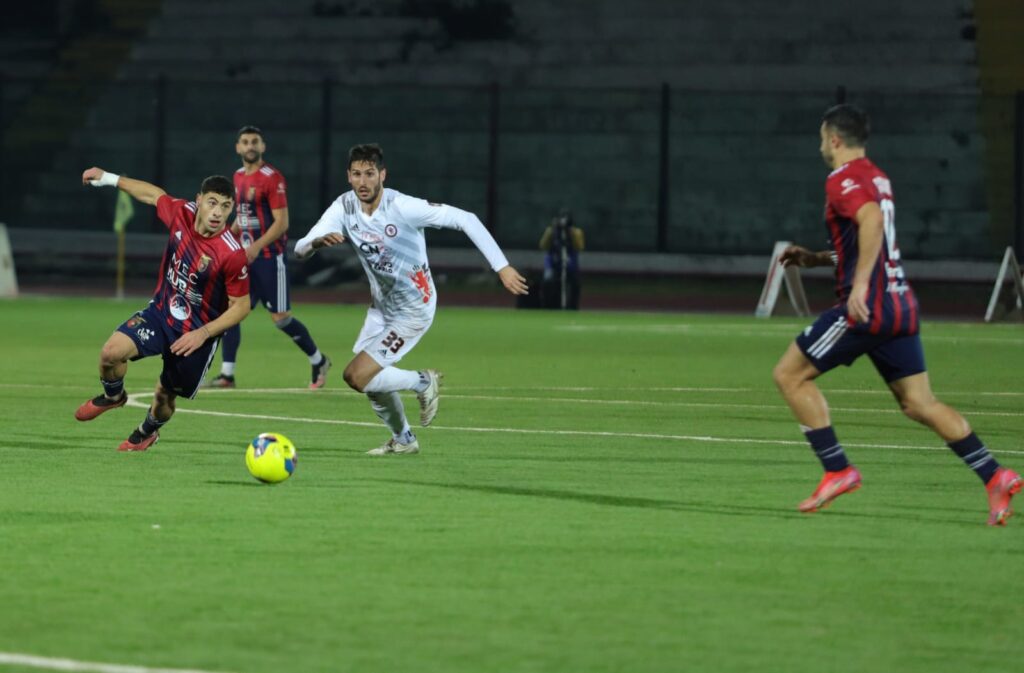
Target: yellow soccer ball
column 271, row 457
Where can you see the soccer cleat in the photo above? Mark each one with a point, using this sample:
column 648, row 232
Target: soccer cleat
column 136, row 442
column 394, row 446
column 833, row 485
column 90, row 409
column 1003, row 485
column 429, row 397
column 221, row 381
column 320, row 373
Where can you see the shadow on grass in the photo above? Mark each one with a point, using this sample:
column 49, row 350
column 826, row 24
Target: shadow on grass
column 237, row 482
column 675, row 505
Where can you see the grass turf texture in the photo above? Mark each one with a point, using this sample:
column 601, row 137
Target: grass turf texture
column 514, row 549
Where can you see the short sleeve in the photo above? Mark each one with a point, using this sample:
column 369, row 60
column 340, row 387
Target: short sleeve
column 276, row 189
column 167, row 208
column 847, row 193
column 236, row 274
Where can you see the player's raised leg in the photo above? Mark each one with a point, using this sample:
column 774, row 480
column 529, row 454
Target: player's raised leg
column 919, row 403
column 114, row 357
column 794, row 375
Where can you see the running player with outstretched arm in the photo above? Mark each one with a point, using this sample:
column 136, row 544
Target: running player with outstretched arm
column 203, row 290
column 877, row 316
column 385, row 230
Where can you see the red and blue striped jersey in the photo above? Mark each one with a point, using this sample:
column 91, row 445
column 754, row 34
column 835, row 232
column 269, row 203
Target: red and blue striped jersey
column 197, row 274
column 890, row 298
column 256, row 197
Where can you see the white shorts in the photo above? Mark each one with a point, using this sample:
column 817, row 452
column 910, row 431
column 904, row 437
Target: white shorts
column 385, row 342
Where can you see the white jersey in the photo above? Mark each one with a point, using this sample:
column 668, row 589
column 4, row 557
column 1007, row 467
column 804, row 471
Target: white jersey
column 392, row 248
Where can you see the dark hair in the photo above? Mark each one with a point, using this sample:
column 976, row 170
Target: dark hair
column 848, row 122
column 249, row 128
column 371, row 153
column 218, row 184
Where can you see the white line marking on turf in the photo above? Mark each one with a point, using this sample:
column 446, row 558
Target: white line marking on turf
column 54, row 664
column 133, row 401
column 779, row 407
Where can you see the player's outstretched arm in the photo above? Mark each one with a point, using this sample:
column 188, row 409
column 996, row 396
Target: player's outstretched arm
column 513, row 280
column 324, row 234
column 137, row 189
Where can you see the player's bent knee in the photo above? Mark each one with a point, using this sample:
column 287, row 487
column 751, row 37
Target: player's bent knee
column 281, row 320
column 354, row 380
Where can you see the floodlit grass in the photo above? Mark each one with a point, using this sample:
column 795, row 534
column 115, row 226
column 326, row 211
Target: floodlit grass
column 601, row 492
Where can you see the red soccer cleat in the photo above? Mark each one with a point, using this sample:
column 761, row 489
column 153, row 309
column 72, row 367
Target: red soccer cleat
column 136, row 442
column 320, row 374
column 90, row 409
column 1003, row 485
column 833, row 485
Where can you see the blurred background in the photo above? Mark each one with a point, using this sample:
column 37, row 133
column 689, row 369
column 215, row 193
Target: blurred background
column 681, row 135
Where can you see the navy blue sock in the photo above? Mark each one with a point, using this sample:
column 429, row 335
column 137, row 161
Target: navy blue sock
column 113, row 389
column 150, row 425
column 231, row 340
column 973, row 452
column 299, row 334
column 828, row 449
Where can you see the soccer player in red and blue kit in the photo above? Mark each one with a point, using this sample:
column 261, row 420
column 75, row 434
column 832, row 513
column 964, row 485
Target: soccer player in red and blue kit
column 261, row 223
column 202, row 291
column 877, row 316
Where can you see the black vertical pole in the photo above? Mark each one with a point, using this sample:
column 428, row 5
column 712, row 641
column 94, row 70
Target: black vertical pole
column 325, row 142
column 661, row 245
column 492, row 159
column 160, row 139
column 1018, row 176
column 840, row 94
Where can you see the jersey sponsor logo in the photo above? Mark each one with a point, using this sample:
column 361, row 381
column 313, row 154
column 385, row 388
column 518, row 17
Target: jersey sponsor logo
column 391, row 231
column 421, row 279
column 883, row 185
column 244, row 273
column 280, row 188
column 849, row 185
column 180, row 308
column 369, row 249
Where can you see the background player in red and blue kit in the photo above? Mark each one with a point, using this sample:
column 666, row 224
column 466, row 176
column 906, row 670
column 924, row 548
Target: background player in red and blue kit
column 876, row 315
column 261, row 223
column 203, row 290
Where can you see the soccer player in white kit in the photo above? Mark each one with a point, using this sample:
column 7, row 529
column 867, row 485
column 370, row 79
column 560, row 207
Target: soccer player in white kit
column 385, row 229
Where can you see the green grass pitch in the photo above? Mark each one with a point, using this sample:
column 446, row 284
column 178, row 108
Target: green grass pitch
column 602, row 492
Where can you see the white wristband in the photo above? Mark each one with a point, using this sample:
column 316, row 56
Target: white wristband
column 106, row 180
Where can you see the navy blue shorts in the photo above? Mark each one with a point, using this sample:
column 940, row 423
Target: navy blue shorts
column 831, row 342
column 152, row 336
column 268, row 283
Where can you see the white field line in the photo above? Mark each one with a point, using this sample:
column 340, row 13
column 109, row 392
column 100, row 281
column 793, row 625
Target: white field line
column 764, row 332
column 135, row 401
column 636, row 403
column 55, row 664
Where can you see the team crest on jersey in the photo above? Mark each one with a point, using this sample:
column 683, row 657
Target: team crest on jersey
column 391, row 231
column 204, row 263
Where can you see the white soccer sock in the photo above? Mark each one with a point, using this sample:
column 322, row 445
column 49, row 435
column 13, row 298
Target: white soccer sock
column 392, row 379
column 316, row 357
column 227, row 368
column 389, row 408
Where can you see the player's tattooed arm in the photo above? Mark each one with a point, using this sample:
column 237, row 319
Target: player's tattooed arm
column 137, row 189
